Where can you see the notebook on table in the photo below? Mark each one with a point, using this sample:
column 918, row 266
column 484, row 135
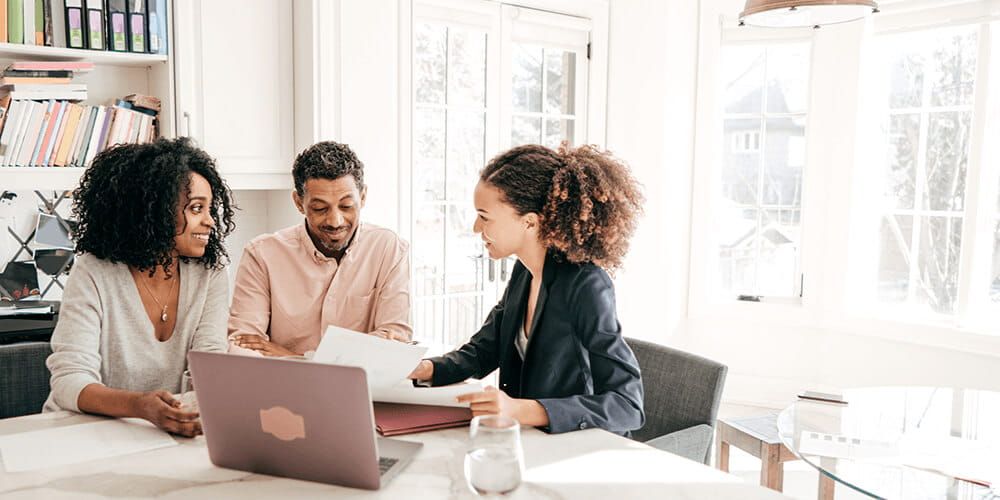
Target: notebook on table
column 393, row 419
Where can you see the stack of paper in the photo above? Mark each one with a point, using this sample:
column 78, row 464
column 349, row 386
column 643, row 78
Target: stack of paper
column 387, row 364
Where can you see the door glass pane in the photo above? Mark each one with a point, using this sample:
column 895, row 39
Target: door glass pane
column 464, row 316
column 557, row 131
column 429, row 319
column 466, row 151
column 428, row 154
column 526, row 130
column 527, row 74
column 430, row 43
column 560, row 73
column 466, row 67
column 428, row 254
column 947, row 156
column 466, row 270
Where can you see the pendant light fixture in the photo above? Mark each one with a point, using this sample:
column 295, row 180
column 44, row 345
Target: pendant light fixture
column 804, row 13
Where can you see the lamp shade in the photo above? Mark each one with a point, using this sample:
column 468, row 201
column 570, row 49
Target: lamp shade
column 804, row 13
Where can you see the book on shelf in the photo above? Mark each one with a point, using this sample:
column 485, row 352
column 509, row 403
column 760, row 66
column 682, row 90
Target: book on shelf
column 156, row 16
column 34, row 87
column 65, row 66
column 15, row 21
column 61, row 133
column 28, row 21
column 65, row 95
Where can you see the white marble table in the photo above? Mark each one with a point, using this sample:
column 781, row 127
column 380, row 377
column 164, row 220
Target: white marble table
column 577, row 465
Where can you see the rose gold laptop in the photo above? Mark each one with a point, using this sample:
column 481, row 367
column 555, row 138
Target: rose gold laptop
column 294, row 419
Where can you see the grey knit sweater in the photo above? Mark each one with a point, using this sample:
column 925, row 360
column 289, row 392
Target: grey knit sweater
column 104, row 335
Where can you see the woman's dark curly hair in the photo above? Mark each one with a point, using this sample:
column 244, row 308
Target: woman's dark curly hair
column 587, row 201
column 127, row 202
column 327, row 160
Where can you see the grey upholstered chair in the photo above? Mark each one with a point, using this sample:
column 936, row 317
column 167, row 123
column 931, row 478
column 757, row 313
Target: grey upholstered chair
column 24, row 378
column 681, row 401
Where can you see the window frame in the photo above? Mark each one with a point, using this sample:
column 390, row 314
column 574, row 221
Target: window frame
column 835, row 199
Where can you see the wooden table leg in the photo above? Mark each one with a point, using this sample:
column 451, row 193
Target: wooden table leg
column 772, row 471
column 721, row 453
column 825, row 487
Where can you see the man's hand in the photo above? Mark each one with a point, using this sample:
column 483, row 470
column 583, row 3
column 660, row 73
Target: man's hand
column 160, row 408
column 261, row 345
column 493, row 401
column 423, row 371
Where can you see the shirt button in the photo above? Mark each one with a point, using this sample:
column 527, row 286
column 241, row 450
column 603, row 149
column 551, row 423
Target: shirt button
column 583, row 425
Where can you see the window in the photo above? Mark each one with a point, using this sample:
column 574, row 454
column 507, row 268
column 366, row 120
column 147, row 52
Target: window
column 543, row 95
column 931, row 82
column 766, row 89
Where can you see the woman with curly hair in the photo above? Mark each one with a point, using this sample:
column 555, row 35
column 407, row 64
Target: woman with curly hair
column 567, row 216
column 148, row 284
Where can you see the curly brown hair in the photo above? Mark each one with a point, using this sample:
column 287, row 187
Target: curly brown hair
column 587, row 201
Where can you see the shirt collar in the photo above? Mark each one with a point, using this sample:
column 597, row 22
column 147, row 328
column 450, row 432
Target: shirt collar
column 318, row 256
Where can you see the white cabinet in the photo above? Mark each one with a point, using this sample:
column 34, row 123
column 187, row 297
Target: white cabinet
column 233, row 83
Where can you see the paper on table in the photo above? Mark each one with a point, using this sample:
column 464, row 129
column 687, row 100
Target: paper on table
column 79, row 443
column 437, row 396
column 386, row 362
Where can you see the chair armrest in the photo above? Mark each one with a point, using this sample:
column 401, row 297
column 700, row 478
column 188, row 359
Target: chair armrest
column 693, row 442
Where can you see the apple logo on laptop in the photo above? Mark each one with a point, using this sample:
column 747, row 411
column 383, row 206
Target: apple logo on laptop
column 282, row 423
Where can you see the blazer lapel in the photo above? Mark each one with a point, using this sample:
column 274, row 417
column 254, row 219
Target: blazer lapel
column 548, row 275
column 513, row 314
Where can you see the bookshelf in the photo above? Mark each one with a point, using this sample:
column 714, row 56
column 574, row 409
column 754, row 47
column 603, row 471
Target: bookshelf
column 210, row 90
column 16, row 51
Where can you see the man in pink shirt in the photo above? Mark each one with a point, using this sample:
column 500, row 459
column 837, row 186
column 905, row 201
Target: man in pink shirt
column 331, row 270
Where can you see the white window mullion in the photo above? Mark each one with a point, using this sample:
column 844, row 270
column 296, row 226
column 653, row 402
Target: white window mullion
column 981, row 195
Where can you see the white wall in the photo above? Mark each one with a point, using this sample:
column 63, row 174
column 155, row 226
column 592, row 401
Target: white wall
column 651, row 95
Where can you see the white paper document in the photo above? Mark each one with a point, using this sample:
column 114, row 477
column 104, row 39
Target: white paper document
column 387, row 364
column 79, row 443
column 437, row 396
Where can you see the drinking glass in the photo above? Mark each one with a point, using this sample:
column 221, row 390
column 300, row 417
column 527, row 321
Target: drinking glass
column 495, row 461
column 189, row 402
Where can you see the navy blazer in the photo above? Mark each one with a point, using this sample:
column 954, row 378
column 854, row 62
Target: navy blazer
column 577, row 364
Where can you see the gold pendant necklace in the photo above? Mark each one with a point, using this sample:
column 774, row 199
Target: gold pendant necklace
column 163, row 316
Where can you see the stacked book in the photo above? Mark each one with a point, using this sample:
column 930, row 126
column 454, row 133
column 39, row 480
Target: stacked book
column 44, row 80
column 58, row 133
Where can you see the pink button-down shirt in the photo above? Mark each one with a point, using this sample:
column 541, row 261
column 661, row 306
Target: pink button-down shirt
column 289, row 292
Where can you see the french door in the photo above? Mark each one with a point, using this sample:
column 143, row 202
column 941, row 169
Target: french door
column 485, row 77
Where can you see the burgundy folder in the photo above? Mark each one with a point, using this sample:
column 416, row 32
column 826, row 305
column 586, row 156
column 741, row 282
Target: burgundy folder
column 393, row 419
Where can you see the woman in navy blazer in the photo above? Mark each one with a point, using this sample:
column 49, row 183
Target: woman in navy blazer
column 567, row 216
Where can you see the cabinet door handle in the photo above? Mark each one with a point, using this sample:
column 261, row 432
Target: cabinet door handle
column 492, row 270
column 187, row 124
column 503, row 270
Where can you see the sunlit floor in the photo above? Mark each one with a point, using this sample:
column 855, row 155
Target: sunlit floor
column 801, row 480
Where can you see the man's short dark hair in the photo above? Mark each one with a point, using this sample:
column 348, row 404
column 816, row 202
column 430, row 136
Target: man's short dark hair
column 327, row 160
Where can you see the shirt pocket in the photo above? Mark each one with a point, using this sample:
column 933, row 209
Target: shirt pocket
column 358, row 312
